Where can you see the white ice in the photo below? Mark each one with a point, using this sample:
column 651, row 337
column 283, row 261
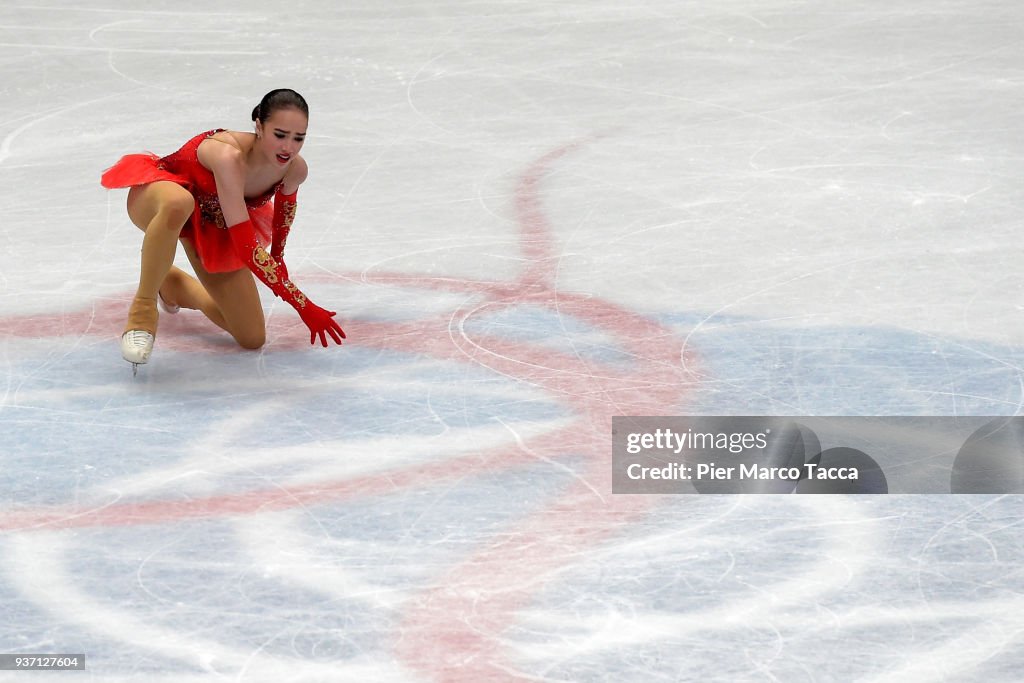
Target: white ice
column 531, row 216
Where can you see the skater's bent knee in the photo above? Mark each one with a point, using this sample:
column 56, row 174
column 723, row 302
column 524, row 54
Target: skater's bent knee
column 163, row 202
column 251, row 342
column 177, row 209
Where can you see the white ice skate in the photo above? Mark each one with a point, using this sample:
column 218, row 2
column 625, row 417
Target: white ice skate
column 140, row 333
column 136, row 346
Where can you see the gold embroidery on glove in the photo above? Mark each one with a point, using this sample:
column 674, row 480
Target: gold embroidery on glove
column 299, row 297
column 265, row 263
column 288, row 213
column 281, row 231
column 279, row 242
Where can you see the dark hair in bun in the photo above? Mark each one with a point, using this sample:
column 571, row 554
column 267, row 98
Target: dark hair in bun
column 282, row 98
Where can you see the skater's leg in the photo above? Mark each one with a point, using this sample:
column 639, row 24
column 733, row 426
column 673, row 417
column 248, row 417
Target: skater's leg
column 177, row 288
column 160, row 209
column 236, row 299
column 181, row 289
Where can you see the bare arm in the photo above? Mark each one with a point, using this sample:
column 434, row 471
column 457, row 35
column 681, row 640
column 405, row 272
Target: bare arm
column 295, row 176
column 228, row 168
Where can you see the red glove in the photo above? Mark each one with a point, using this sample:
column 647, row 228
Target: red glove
column 269, row 271
column 284, row 213
column 320, row 322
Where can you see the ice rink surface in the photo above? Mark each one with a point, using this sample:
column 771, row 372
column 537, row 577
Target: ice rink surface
column 531, row 216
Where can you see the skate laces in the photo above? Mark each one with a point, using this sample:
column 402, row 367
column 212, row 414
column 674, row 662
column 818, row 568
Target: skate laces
column 137, row 338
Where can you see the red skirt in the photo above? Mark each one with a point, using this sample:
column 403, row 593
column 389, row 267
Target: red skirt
column 205, row 230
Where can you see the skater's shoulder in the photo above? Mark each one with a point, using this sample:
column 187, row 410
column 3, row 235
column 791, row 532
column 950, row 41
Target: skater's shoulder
column 298, row 171
column 222, row 155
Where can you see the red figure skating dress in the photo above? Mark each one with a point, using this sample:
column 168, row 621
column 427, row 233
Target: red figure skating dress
column 206, row 229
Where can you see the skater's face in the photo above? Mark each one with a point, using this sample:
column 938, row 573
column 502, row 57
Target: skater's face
column 282, row 134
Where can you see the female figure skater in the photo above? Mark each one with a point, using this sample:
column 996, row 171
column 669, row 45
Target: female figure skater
column 214, row 195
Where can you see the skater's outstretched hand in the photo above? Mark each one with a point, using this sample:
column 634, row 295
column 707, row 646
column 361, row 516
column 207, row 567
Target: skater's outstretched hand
column 321, row 323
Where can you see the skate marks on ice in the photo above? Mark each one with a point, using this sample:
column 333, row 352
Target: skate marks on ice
column 435, row 503
column 518, row 383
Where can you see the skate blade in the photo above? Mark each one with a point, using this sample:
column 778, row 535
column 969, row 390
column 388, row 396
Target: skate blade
column 136, row 347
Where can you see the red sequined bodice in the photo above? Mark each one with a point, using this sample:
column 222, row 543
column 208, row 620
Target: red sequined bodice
column 185, row 163
column 205, row 228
